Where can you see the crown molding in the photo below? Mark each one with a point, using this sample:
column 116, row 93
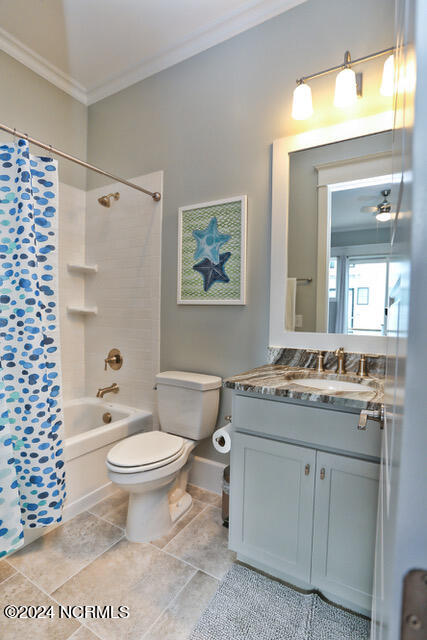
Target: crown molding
column 237, row 21
column 26, row 56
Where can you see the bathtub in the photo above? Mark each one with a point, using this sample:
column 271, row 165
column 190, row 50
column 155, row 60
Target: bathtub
column 87, row 442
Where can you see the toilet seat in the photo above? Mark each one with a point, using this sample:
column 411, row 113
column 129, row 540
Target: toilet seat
column 145, row 451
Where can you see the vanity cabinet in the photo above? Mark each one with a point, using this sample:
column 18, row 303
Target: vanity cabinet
column 273, row 493
column 345, row 517
column 300, row 509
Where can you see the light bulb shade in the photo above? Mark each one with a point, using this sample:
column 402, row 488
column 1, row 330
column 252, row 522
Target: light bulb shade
column 384, row 216
column 302, row 105
column 345, row 88
column 387, row 84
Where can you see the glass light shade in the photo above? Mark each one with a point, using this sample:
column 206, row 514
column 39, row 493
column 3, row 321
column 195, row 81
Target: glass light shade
column 385, row 216
column 302, row 106
column 345, row 88
column 387, row 84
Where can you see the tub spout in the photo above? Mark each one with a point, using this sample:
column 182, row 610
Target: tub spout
column 113, row 388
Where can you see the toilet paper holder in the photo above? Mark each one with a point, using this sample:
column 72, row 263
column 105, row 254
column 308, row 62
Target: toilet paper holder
column 221, row 440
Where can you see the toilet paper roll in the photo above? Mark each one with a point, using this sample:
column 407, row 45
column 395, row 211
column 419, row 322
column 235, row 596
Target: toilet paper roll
column 221, row 438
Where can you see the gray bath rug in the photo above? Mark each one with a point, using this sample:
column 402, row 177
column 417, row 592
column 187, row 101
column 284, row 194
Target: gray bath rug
column 250, row 606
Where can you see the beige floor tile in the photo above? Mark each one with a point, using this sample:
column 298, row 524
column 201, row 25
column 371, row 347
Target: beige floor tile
column 52, row 559
column 114, row 508
column 204, row 543
column 135, row 575
column 205, row 496
column 18, row 590
column 84, row 634
column 5, row 570
column 180, row 617
column 196, row 508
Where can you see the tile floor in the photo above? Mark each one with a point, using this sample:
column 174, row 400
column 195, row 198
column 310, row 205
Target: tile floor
column 166, row 584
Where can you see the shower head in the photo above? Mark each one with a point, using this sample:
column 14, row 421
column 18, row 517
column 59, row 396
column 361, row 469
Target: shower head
column 106, row 200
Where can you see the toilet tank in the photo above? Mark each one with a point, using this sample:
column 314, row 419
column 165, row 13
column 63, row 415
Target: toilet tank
column 187, row 403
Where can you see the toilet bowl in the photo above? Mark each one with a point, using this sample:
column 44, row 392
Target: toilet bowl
column 154, row 466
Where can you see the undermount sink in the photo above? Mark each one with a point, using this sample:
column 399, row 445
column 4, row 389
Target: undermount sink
column 332, row 386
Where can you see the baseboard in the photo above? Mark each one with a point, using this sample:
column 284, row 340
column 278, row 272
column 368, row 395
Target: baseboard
column 207, row 474
column 70, row 511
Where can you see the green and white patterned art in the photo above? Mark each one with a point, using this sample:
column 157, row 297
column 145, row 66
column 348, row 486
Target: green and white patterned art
column 211, row 252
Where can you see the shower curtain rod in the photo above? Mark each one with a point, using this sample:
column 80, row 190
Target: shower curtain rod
column 154, row 194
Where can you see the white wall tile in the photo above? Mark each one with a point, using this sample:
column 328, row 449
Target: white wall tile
column 125, row 242
column 72, row 205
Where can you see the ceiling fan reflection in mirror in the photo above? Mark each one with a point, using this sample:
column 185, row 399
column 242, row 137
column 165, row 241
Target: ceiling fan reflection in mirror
column 382, row 210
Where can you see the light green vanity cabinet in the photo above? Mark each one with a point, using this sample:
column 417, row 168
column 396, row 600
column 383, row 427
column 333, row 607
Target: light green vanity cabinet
column 273, row 495
column 298, row 511
column 345, row 517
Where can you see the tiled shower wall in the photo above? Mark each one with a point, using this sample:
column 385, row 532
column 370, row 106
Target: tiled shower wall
column 72, row 203
column 125, row 242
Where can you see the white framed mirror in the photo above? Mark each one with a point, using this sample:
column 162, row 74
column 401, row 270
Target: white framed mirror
column 332, row 213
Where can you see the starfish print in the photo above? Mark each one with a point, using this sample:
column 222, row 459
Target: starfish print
column 209, row 241
column 213, row 272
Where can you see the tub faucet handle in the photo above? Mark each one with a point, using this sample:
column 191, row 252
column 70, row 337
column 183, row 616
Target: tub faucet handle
column 114, row 360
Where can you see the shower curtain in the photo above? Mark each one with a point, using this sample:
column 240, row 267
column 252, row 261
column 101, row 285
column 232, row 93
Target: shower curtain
column 32, row 479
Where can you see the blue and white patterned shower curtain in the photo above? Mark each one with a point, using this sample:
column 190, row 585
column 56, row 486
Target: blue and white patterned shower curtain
column 32, row 479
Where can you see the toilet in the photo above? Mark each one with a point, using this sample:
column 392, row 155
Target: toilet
column 154, row 466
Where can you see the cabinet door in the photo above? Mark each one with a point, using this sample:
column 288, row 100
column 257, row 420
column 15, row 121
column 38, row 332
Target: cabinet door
column 271, row 503
column 345, row 518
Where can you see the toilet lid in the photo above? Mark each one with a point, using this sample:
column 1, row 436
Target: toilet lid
column 146, row 449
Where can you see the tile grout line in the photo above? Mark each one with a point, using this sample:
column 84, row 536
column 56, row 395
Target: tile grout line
column 82, row 624
column 169, row 604
column 187, row 525
column 98, row 555
column 193, row 566
column 211, row 504
column 107, row 521
column 8, row 577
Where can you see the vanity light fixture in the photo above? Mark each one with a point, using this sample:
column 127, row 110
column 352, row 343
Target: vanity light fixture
column 347, row 88
column 348, row 83
column 302, row 105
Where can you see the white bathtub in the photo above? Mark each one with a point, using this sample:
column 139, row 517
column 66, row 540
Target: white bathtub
column 87, row 442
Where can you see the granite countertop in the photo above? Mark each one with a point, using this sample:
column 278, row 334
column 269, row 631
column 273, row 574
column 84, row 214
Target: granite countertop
column 279, row 380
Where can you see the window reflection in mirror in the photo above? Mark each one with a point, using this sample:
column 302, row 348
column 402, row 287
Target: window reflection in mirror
column 358, row 265
column 341, row 205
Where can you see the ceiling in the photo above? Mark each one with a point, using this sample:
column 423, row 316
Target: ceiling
column 94, row 48
column 346, row 204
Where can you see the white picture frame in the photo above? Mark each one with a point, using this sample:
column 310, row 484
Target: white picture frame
column 240, row 280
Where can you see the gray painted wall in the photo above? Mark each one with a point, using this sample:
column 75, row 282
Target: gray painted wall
column 33, row 105
column 209, row 122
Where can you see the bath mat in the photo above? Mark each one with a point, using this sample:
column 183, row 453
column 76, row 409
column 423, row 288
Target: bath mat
column 250, row 606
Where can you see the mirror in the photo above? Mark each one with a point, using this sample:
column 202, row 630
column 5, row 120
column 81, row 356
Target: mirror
column 338, row 236
column 333, row 202
column 359, row 240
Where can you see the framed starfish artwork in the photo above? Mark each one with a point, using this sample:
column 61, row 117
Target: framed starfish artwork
column 212, row 252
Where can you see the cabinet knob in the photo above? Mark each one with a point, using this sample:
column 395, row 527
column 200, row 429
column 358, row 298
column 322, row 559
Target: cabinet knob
column 322, row 473
column 307, row 469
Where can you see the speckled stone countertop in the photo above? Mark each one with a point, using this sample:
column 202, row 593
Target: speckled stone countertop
column 282, row 380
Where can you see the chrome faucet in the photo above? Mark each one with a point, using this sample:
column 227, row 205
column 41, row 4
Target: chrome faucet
column 113, row 388
column 340, row 354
